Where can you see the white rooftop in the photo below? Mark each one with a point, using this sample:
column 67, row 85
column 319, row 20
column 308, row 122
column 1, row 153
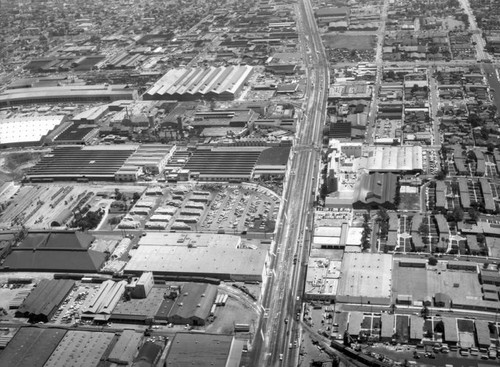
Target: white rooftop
column 27, row 128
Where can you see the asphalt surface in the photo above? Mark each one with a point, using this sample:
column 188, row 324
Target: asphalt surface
column 279, row 329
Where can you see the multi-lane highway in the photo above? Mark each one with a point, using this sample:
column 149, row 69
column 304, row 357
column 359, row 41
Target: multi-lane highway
column 279, row 330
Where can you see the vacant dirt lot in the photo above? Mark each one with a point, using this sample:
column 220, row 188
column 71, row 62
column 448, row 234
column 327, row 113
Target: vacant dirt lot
column 351, row 42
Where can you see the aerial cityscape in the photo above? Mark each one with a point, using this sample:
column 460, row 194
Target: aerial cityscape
column 261, row 183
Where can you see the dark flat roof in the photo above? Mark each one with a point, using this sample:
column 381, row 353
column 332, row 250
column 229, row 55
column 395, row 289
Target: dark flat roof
column 66, row 240
column 276, row 156
column 74, row 132
column 55, row 260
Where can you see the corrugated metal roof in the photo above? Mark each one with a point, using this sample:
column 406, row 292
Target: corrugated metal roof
column 46, row 297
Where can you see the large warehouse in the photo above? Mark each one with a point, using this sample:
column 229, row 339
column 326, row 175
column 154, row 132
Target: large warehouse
column 365, row 278
column 394, row 159
column 224, row 164
column 27, row 130
column 191, row 304
column 372, row 190
column 80, row 349
column 31, row 346
column 55, row 251
column 223, row 263
column 72, row 163
column 43, row 301
column 221, row 83
column 204, row 350
column 77, row 94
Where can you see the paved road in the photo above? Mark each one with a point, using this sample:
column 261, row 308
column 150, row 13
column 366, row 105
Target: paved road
column 378, row 60
column 278, row 328
column 481, row 54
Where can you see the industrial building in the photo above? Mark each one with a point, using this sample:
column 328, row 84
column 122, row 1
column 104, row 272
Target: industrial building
column 55, row 251
column 28, row 130
column 76, row 163
column 365, row 278
column 456, row 286
column 66, row 94
column 139, row 310
column 80, row 349
column 189, row 303
column 100, row 306
column 322, row 279
column 76, row 134
column 221, row 83
column 148, row 158
column 126, row 347
column 223, row 263
column 375, row 189
column 43, row 301
column 272, row 161
column 208, row 240
column 399, row 159
column 148, row 355
column 139, row 287
column 224, row 164
column 31, row 347
column 204, row 350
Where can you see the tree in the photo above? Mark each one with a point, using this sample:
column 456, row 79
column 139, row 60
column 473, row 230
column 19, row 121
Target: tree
column 439, row 328
column 457, row 214
column 391, row 74
column 440, row 176
column 432, row 261
column 423, row 229
column 474, row 120
column 136, row 196
column 473, row 214
column 424, row 312
column 118, row 194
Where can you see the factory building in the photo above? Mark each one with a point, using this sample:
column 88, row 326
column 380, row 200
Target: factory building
column 220, row 83
column 29, row 130
column 204, row 350
column 141, row 286
column 189, row 303
column 65, row 94
column 43, row 301
column 55, row 251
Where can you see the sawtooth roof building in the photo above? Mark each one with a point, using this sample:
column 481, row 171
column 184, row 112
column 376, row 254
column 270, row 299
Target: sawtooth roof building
column 222, row 83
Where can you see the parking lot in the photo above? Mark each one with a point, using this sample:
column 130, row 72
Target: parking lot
column 430, row 162
column 70, row 310
column 205, row 208
column 237, row 209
